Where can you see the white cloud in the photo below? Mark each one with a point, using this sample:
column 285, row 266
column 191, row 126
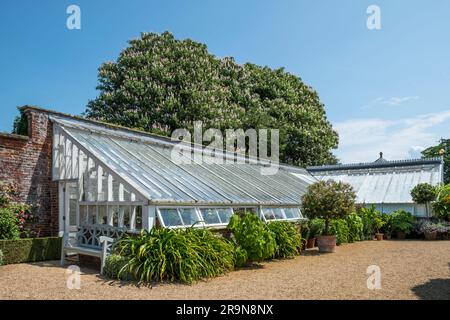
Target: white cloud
column 395, row 101
column 362, row 139
column 392, row 101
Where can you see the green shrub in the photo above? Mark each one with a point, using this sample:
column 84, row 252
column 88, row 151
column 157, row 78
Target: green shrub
column 287, row 238
column 368, row 216
column 316, row 227
column 30, row 250
column 114, row 263
column 9, row 226
column 387, row 224
column 441, row 207
column 355, row 228
column 176, row 255
column 402, row 221
column 328, row 200
column 254, row 236
column 240, row 257
column 340, row 228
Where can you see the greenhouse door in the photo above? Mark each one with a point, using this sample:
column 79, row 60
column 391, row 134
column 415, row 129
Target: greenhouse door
column 70, row 196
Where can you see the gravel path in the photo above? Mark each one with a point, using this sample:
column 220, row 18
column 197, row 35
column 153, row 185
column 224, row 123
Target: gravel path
column 410, row 270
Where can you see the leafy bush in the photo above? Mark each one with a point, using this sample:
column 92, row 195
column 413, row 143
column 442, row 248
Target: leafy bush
column 316, row 227
column 240, row 257
column 254, row 236
column 287, row 238
column 114, row 264
column 387, row 224
column 402, row 221
column 167, row 254
column 367, row 216
column 328, row 200
column 441, row 206
column 355, row 228
column 9, row 226
column 340, row 228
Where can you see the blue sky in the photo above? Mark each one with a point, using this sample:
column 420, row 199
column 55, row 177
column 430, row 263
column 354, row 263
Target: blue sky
column 384, row 90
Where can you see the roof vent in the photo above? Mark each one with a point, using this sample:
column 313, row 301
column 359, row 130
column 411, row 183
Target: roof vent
column 381, row 159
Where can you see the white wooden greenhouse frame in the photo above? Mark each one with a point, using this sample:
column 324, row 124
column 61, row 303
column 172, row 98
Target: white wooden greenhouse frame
column 119, row 177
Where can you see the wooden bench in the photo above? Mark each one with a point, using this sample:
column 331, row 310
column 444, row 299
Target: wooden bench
column 94, row 240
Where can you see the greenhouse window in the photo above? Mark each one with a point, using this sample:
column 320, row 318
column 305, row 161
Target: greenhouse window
column 272, row 214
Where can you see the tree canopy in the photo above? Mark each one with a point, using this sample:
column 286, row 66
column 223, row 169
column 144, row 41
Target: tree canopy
column 159, row 84
column 328, row 200
column 435, row 151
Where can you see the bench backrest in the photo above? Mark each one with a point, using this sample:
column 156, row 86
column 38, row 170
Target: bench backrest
column 89, row 235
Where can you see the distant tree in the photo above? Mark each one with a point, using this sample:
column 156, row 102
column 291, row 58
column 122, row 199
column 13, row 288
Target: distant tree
column 159, row 84
column 442, row 148
column 20, row 125
column 424, row 193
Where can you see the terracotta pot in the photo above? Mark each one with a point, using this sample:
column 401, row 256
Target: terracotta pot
column 310, row 243
column 401, row 235
column 430, row 235
column 379, row 236
column 326, row 243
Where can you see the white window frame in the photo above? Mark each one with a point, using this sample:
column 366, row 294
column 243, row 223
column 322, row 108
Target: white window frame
column 263, row 217
column 201, row 221
column 222, row 224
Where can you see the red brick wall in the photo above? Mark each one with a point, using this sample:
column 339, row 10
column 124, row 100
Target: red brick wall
column 27, row 162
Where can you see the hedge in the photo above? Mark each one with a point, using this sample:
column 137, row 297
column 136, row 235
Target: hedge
column 30, row 250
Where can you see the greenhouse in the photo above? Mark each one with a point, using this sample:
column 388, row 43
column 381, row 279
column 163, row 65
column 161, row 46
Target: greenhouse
column 120, row 177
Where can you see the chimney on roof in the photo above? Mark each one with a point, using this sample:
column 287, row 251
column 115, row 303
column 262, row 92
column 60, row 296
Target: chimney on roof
column 381, row 155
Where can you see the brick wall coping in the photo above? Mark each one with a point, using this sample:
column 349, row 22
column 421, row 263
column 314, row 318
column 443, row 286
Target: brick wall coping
column 13, row 136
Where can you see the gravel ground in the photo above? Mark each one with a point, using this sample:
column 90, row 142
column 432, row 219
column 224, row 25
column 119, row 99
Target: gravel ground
column 409, row 270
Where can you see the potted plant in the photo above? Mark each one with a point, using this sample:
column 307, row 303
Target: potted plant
column 315, row 229
column 402, row 223
column 431, row 230
column 378, row 223
column 328, row 200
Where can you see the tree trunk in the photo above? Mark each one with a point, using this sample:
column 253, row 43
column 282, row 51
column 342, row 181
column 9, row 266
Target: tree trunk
column 327, row 223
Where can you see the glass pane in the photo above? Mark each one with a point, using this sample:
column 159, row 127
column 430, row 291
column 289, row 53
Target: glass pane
column 268, row 214
column 139, row 217
column 102, row 195
column 73, row 212
column 292, row 213
column 170, row 217
column 278, row 213
column 92, row 214
column 83, row 215
column 225, row 214
column 189, row 216
column 113, row 216
column 102, row 215
column 126, row 217
column 210, row 216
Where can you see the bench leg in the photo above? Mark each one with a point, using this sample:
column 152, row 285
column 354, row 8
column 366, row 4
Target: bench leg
column 62, row 257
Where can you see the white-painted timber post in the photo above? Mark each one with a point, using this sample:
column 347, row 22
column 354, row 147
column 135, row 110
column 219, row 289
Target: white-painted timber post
column 148, row 217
